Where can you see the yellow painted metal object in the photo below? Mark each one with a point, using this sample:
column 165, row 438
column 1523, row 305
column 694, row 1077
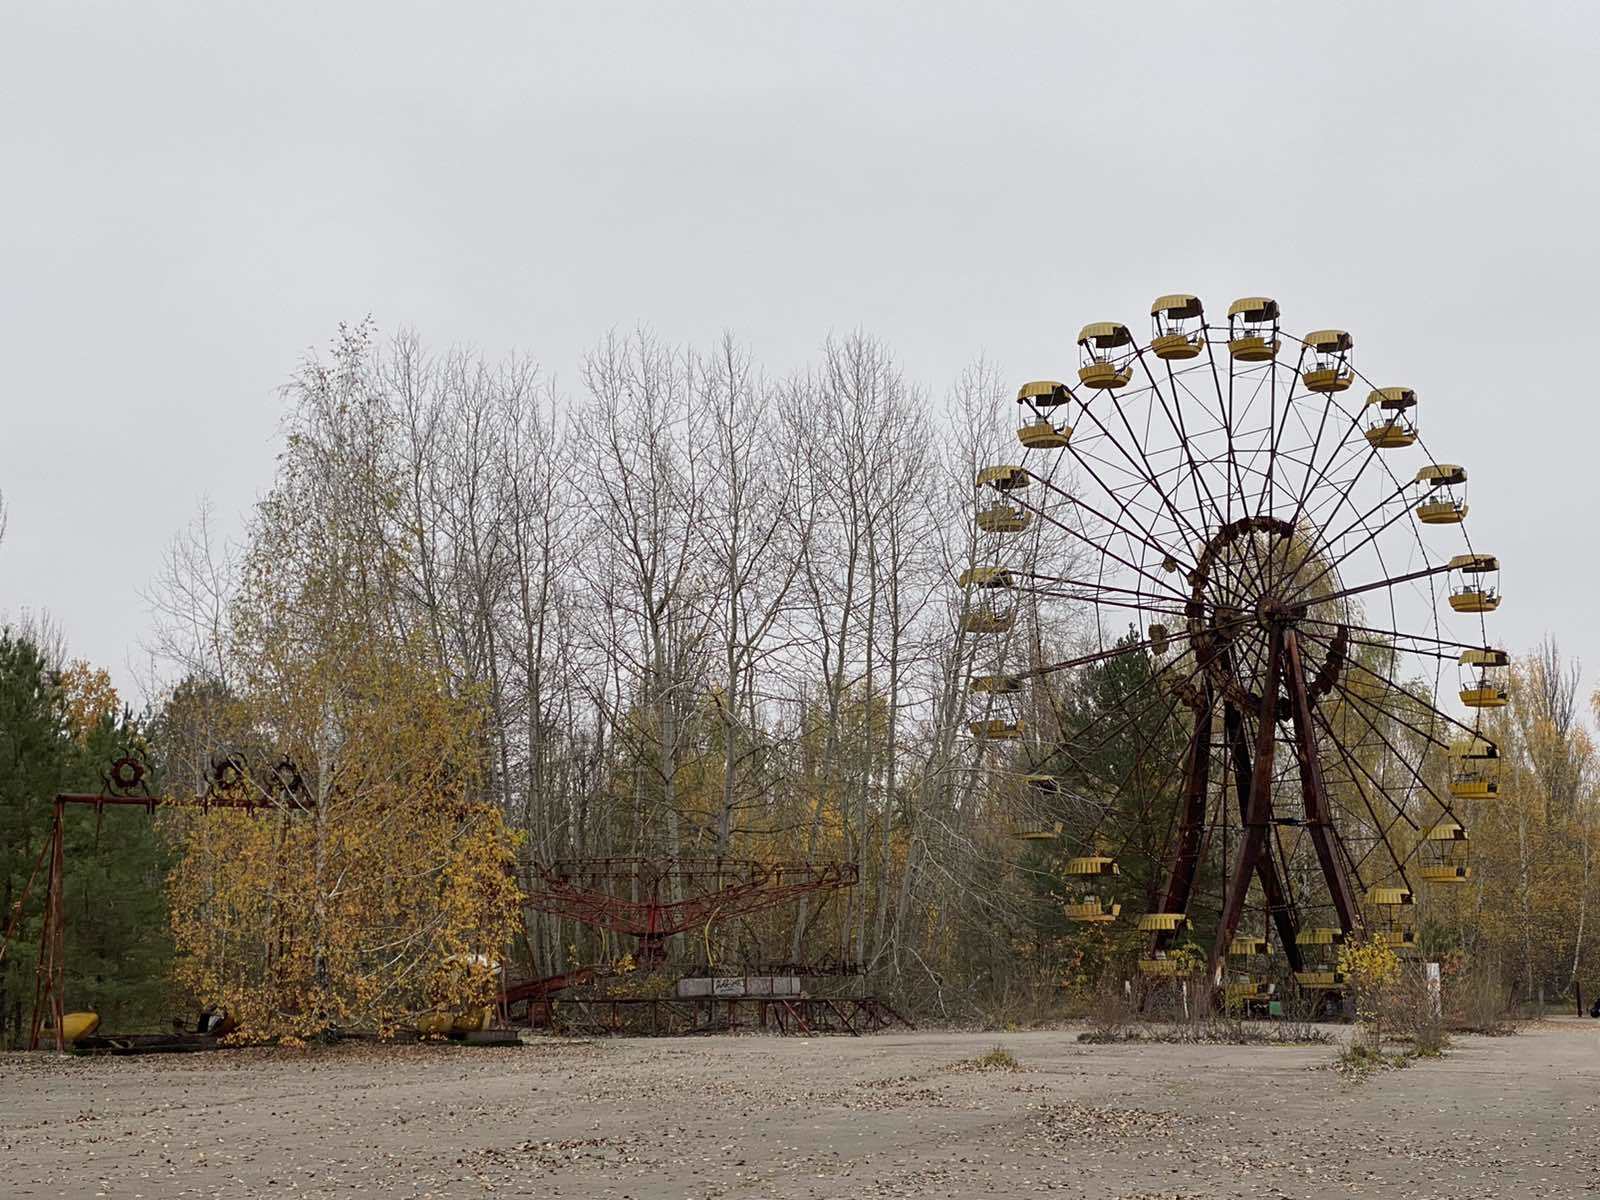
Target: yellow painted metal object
column 1445, row 873
column 1319, row 979
column 1003, row 478
column 1330, row 341
column 1254, row 990
column 988, row 620
column 1091, row 864
column 1472, row 598
column 1393, row 427
column 1392, row 434
column 1178, row 306
column 1159, row 966
column 1254, row 309
column 1255, row 338
column 1486, row 690
column 1443, row 475
column 1038, row 831
column 998, row 685
column 1474, row 784
column 1039, row 434
column 996, row 729
column 1179, row 327
column 1092, row 910
column 1176, row 347
column 987, row 577
column 1104, row 375
column 1327, row 380
column 1003, row 518
column 1321, row 936
column 1330, row 370
column 1389, row 897
column 1043, row 783
column 74, row 1025
column 1398, row 939
column 1105, row 335
column 1247, row 947
column 1102, row 367
column 1162, row 922
column 1441, row 512
column 1253, row 348
column 1043, row 393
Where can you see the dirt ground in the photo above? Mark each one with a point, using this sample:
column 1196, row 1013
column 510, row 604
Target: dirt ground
column 758, row 1117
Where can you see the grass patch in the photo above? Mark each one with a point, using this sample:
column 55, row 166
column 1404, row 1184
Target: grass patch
column 997, row 1058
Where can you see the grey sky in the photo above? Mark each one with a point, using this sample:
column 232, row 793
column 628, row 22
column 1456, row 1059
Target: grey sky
column 194, row 194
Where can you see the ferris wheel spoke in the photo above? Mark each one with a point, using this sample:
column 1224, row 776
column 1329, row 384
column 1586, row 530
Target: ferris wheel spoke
column 1373, row 534
column 1149, row 470
column 1174, row 416
column 1401, row 757
column 1139, row 533
column 1277, row 426
column 1382, row 829
column 1092, row 543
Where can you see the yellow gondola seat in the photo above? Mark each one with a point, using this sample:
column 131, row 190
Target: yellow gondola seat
column 1330, row 369
column 1244, row 946
column 1237, row 993
column 1037, row 831
column 1040, row 434
column 1441, row 512
column 1389, row 897
column 1394, row 426
column 1255, row 337
column 1103, row 368
column 1003, row 518
column 1089, row 865
column 1441, row 505
column 1486, row 689
column 1162, row 922
column 1047, row 784
column 1319, row 979
column 1321, row 936
column 1478, row 591
column 1092, row 910
column 1179, row 327
column 988, row 620
column 1403, row 937
column 1445, row 873
column 1160, row 966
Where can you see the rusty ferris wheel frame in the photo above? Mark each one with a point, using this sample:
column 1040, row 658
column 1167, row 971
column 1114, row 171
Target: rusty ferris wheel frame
column 1260, row 526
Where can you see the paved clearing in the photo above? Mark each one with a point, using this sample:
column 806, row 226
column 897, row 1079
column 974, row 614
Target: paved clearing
column 836, row 1117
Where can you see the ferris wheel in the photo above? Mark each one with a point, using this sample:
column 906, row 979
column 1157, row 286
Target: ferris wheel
column 1229, row 646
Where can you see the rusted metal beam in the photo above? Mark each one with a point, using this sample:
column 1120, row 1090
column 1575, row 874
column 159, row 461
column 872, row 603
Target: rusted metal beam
column 1259, row 811
column 1319, row 813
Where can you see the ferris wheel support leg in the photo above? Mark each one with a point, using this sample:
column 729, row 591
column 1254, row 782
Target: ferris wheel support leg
column 1279, row 906
column 1186, row 862
column 1319, row 817
column 1259, row 812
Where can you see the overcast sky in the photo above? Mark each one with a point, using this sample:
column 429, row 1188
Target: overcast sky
column 193, row 194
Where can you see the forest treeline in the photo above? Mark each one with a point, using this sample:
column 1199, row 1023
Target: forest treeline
column 685, row 610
